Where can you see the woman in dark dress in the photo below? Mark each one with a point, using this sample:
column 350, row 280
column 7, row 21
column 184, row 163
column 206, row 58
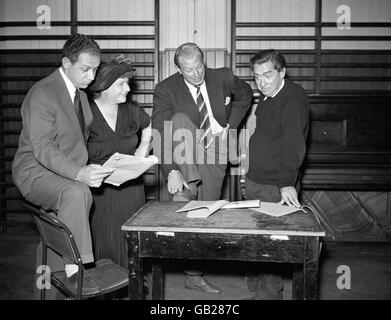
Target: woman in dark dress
column 115, row 128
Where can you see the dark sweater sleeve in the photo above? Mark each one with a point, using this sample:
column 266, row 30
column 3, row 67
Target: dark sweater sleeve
column 295, row 119
column 162, row 111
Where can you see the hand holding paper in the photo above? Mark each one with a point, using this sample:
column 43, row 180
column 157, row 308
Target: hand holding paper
column 127, row 167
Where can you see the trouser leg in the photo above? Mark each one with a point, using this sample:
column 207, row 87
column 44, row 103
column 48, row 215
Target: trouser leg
column 72, row 201
column 184, row 147
column 269, row 282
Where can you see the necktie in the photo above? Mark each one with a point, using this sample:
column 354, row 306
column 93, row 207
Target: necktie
column 205, row 122
column 79, row 114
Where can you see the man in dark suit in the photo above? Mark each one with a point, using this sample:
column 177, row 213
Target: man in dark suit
column 49, row 167
column 200, row 104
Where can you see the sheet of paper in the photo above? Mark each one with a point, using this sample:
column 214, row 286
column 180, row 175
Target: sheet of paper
column 127, row 167
column 192, row 205
column 199, row 213
column 202, row 209
column 242, row 204
column 275, row 209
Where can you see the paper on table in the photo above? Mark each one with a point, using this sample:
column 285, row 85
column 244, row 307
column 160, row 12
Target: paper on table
column 127, row 167
column 242, row 204
column 275, row 209
column 202, row 209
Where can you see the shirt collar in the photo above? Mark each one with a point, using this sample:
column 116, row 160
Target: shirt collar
column 192, row 86
column 279, row 89
column 71, row 88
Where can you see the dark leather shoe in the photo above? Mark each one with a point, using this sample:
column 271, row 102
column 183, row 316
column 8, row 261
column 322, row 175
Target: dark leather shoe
column 199, row 283
column 263, row 293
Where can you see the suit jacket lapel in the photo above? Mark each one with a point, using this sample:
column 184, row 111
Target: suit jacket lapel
column 67, row 103
column 187, row 99
column 216, row 104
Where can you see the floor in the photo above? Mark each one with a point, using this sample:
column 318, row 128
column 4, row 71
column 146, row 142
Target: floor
column 368, row 264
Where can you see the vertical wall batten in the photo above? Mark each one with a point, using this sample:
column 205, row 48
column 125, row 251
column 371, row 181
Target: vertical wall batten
column 73, row 16
column 318, row 43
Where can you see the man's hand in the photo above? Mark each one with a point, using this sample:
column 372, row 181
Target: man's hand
column 176, row 182
column 289, row 196
column 93, row 175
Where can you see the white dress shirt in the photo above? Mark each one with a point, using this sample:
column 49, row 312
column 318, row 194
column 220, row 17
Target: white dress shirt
column 279, row 89
column 71, row 88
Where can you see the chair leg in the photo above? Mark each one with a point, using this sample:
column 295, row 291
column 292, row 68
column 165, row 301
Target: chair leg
column 44, row 262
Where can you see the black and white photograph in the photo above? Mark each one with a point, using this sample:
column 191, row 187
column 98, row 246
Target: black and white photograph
column 199, row 154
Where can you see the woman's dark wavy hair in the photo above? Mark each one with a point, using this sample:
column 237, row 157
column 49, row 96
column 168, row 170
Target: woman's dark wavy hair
column 78, row 44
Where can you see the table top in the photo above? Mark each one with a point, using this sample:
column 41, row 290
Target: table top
column 161, row 217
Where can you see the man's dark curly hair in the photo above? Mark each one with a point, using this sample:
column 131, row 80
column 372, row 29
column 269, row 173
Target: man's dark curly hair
column 263, row 56
column 77, row 44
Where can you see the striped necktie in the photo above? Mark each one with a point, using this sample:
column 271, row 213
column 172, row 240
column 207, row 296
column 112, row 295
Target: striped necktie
column 205, row 122
column 79, row 114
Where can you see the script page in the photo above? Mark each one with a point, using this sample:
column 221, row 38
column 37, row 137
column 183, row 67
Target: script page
column 127, row 167
column 202, row 209
column 242, row 204
column 275, row 209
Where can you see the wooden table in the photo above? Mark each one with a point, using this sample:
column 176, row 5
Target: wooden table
column 157, row 231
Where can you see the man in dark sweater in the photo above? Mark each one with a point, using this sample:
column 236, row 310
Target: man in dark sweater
column 277, row 148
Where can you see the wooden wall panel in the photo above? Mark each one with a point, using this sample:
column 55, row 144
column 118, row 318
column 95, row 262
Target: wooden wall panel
column 201, row 21
column 22, row 10
column 275, row 11
column 115, row 10
column 176, row 23
column 361, row 11
column 118, row 10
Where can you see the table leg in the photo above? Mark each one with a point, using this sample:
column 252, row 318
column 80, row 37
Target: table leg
column 136, row 284
column 157, row 281
column 297, row 282
column 310, row 268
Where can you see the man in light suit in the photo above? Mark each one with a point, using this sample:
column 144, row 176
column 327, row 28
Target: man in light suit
column 189, row 99
column 49, row 167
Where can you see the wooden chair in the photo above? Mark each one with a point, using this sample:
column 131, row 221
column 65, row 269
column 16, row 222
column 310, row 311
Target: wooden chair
column 55, row 235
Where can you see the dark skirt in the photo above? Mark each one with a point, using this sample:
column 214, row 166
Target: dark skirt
column 112, row 207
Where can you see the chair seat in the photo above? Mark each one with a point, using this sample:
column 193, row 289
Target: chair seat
column 109, row 276
column 105, row 277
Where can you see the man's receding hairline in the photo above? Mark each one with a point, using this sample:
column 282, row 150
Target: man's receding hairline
column 90, row 53
column 195, row 53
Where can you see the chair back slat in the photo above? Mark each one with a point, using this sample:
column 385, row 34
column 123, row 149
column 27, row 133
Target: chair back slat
column 57, row 239
column 54, row 234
